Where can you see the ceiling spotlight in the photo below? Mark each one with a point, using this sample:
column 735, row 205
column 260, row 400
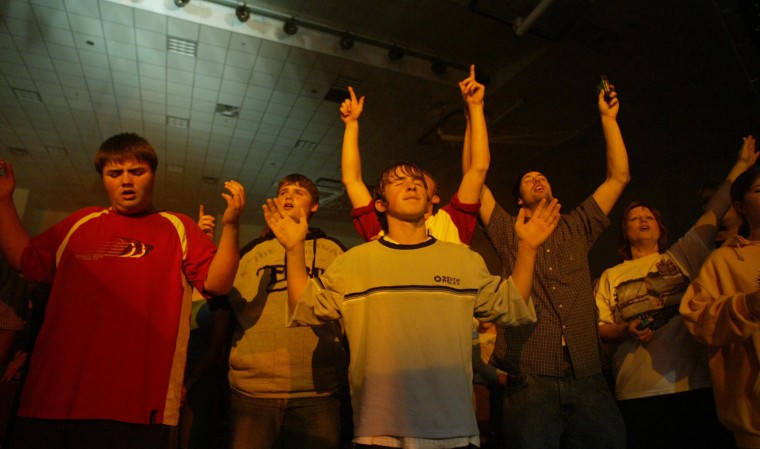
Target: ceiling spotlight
column 438, row 67
column 347, row 40
column 395, row 53
column 243, row 13
column 181, row 3
column 290, row 26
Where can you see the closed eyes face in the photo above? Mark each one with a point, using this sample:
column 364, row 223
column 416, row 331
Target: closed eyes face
column 400, row 183
column 405, row 197
column 129, row 185
column 533, row 187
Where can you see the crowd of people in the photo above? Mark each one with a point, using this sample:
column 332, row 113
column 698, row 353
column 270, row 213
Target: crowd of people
column 150, row 335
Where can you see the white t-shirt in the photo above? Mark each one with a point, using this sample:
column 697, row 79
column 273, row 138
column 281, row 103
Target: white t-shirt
column 652, row 287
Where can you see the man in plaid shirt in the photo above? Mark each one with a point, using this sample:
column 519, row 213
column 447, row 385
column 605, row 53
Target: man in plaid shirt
column 556, row 394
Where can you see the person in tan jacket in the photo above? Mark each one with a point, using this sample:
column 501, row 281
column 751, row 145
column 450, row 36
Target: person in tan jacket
column 721, row 308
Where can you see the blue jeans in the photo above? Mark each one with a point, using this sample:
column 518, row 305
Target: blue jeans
column 544, row 412
column 284, row 423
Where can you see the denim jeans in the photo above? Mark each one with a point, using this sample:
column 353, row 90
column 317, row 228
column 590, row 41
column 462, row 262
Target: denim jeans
column 284, row 423
column 545, row 412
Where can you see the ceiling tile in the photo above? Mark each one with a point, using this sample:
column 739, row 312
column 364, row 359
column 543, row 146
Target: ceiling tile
column 207, row 95
column 153, row 87
column 17, row 71
column 121, row 50
column 22, row 29
column 236, row 74
column 123, row 68
column 268, row 65
column 231, row 88
column 11, row 56
column 201, row 68
column 47, row 89
column 119, row 33
column 274, row 50
column 284, row 99
column 151, row 56
column 17, row 10
column 263, row 79
column 214, row 36
column 84, row 7
column 152, row 41
column 178, row 102
column 207, row 82
column 152, row 71
column 117, row 14
column 62, row 51
column 110, row 110
column 148, row 21
column 179, row 90
column 211, row 53
column 89, row 42
column 258, row 93
column 87, row 25
column 183, row 29
column 245, row 44
column 240, row 59
column 182, row 62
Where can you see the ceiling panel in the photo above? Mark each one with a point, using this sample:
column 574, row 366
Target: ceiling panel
column 685, row 70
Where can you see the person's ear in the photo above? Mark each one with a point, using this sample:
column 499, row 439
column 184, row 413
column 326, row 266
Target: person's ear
column 314, row 207
column 520, row 201
column 739, row 206
column 381, row 206
column 435, row 199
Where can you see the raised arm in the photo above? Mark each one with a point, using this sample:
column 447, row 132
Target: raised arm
column 487, row 205
column 13, row 236
column 487, row 201
column 475, row 150
column 607, row 194
column 291, row 234
column 351, row 163
column 221, row 272
column 707, row 224
column 530, row 235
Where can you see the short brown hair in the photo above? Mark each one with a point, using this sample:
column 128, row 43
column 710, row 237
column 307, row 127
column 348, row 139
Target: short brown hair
column 518, row 182
column 125, row 147
column 394, row 172
column 388, row 176
column 302, row 181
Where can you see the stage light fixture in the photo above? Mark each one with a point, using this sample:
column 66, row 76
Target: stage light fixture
column 438, row 67
column 290, row 26
column 181, row 3
column 347, row 40
column 243, row 13
column 395, row 53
